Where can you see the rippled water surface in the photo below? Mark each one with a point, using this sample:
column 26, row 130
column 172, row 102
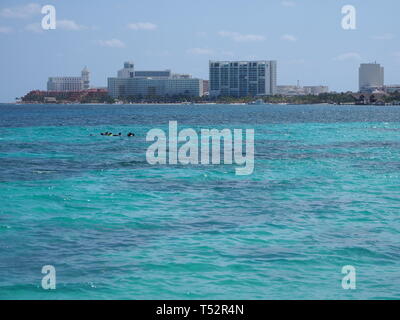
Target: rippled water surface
column 325, row 193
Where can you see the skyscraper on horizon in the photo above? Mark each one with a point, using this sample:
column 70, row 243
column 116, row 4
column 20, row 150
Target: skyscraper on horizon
column 371, row 77
column 85, row 75
column 243, row 78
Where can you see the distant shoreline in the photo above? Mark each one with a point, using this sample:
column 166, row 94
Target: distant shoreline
column 192, row 104
column 346, row 98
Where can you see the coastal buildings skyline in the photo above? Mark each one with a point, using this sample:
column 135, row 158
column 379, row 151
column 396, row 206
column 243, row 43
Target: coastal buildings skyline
column 226, row 78
column 306, row 39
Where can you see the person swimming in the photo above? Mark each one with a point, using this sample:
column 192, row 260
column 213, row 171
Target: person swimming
column 110, row 134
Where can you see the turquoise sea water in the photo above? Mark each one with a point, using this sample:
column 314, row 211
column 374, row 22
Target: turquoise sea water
column 325, row 193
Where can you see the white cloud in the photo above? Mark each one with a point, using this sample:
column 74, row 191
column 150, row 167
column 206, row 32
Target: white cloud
column 34, row 27
column 69, row 25
column 200, row 51
column 21, row 12
column 238, row 37
column 142, row 26
column 113, row 43
column 6, row 30
column 348, row 56
column 289, row 37
column 386, row 36
column 288, row 3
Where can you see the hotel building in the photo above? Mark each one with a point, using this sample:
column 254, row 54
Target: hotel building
column 293, row 90
column 371, row 77
column 243, row 78
column 70, row 84
column 392, row 88
column 152, row 83
column 315, row 90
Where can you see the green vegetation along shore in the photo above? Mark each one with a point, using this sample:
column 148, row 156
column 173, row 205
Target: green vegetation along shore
column 101, row 97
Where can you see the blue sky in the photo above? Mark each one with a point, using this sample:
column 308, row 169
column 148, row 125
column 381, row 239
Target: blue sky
column 304, row 36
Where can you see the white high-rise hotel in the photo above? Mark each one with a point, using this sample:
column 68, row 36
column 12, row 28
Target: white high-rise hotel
column 70, row 84
column 243, row 78
column 371, row 77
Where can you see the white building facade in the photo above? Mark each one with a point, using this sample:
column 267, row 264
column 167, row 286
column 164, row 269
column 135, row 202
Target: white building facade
column 315, row 90
column 292, row 90
column 392, row 88
column 70, row 84
column 152, row 83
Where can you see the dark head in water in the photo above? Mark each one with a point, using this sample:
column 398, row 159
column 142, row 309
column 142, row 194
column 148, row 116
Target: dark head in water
column 130, row 134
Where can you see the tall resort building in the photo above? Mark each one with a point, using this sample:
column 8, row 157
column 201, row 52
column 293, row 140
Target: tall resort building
column 153, row 83
column 85, row 75
column 371, row 77
column 70, row 84
column 243, row 78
